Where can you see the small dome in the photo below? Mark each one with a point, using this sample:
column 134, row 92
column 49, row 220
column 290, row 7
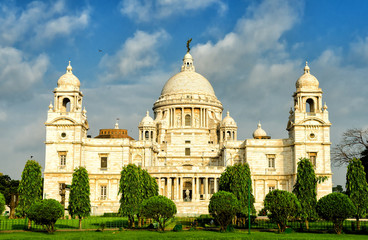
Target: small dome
column 259, row 132
column 307, row 80
column 228, row 121
column 69, row 79
column 147, row 121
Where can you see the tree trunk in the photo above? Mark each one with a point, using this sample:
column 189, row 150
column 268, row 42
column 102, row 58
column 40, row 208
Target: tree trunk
column 29, row 224
column 80, row 222
column 307, row 224
column 139, row 221
column 357, row 224
column 12, row 212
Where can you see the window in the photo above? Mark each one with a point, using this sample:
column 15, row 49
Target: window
column 187, row 151
column 103, row 162
column 271, row 160
column 313, row 158
column 271, row 188
column 103, row 195
column 310, row 105
column 66, row 105
column 187, row 142
column 188, row 120
column 62, row 157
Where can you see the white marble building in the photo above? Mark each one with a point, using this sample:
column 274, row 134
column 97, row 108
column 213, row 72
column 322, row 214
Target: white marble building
column 185, row 146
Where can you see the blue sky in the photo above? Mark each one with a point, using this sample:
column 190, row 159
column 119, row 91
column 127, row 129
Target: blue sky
column 251, row 51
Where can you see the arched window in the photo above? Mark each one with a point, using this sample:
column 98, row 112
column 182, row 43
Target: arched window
column 228, row 135
column 66, row 105
column 188, row 120
column 310, row 105
column 146, row 135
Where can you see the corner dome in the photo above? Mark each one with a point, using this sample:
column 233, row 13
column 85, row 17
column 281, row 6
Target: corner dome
column 307, row 80
column 259, row 133
column 69, row 80
column 188, row 81
column 147, row 121
column 228, row 121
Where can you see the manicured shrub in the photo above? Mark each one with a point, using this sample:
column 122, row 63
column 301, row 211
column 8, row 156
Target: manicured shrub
column 160, row 208
column 223, row 207
column 336, row 207
column 46, row 213
column 178, row 227
column 281, row 205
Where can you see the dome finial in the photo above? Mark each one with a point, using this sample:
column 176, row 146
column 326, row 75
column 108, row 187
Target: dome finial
column 117, row 123
column 259, row 124
column 228, row 114
column 306, row 68
column 147, row 113
column 69, row 68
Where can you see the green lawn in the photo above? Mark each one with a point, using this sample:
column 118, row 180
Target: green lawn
column 143, row 234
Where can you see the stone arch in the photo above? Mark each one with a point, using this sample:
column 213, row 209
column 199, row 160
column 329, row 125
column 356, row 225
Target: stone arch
column 137, row 160
column 188, row 120
column 310, row 105
column 66, row 105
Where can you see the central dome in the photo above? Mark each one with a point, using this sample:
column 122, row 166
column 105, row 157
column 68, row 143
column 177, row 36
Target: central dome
column 187, row 81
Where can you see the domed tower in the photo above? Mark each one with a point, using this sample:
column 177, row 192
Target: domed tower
column 309, row 127
column 66, row 126
column 187, row 115
column 228, row 129
column 147, row 129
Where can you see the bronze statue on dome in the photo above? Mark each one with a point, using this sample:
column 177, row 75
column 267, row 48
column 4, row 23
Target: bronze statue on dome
column 188, row 47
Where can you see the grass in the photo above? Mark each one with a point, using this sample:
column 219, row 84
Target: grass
column 144, row 234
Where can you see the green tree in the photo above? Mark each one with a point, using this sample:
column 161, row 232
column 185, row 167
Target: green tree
column 9, row 188
column 223, row 207
column 79, row 201
column 335, row 207
column 236, row 179
column 305, row 190
column 46, row 213
column 160, row 208
column 281, row 205
column 30, row 187
column 2, row 203
column 338, row 188
column 135, row 186
column 357, row 188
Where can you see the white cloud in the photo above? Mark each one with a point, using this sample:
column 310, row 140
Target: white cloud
column 18, row 74
column 38, row 23
column 136, row 54
column 146, row 10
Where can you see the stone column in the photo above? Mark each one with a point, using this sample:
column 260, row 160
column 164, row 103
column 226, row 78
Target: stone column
column 215, row 188
column 182, row 117
column 177, row 197
column 198, row 195
column 192, row 117
column 205, row 188
column 169, row 188
column 255, row 189
column 181, row 189
column 159, row 186
column 96, row 195
column 109, row 189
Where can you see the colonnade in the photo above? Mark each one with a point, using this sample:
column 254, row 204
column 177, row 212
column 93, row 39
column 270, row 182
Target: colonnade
column 187, row 188
column 178, row 120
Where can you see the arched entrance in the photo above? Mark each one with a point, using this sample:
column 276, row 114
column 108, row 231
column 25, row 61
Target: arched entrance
column 187, row 191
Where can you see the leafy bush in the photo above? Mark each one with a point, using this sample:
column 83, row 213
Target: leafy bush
column 262, row 212
column 46, row 213
column 2, row 203
column 178, row 227
column 160, row 208
column 281, row 205
column 335, row 207
column 223, row 207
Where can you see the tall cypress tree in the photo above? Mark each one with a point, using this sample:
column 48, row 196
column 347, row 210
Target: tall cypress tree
column 237, row 180
column 30, row 186
column 79, row 201
column 305, row 190
column 357, row 188
column 135, row 186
